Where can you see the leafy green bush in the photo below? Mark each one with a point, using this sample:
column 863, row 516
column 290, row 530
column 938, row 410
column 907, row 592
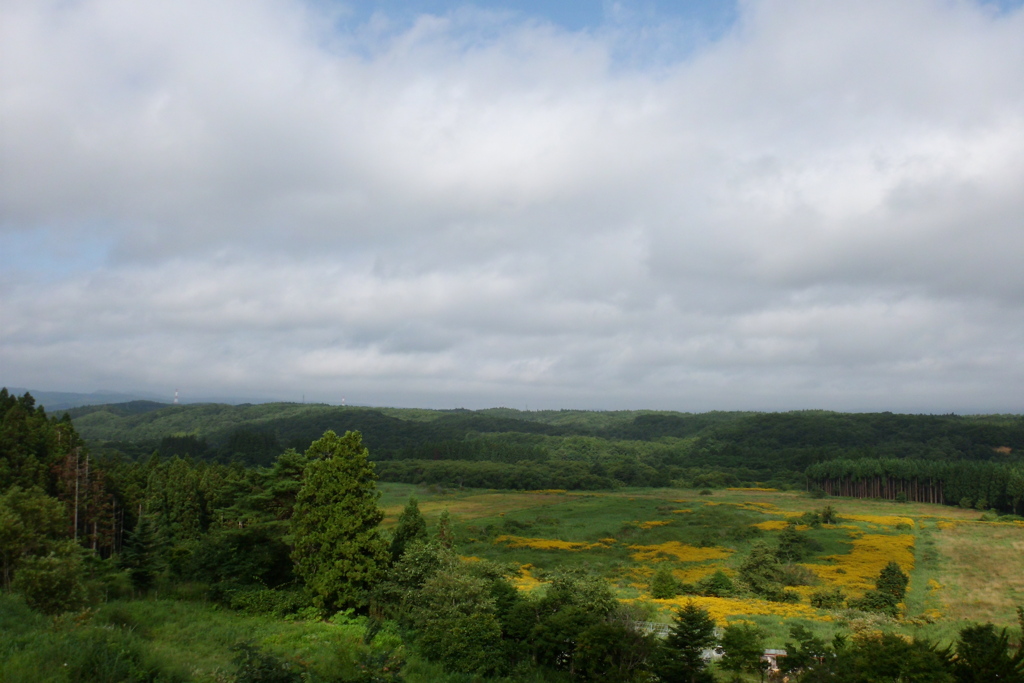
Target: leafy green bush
column 717, row 585
column 663, row 584
column 52, row 584
column 276, row 603
column 253, row 555
column 797, row 575
column 828, row 599
column 62, row 651
column 259, row 666
column 379, row 666
column 875, row 601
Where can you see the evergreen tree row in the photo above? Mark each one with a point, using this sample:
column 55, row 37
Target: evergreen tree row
column 982, row 485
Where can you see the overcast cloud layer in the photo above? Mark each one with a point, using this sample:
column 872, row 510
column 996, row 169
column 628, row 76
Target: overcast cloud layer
column 821, row 207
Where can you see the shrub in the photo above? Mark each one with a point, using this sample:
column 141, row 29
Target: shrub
column 379, row 666
column 663, row 584
column 52, row 584
column 811, row 519
column 717, row 585
column 796, row 575
column 876, row 601
column 893, row 581
column 277, row 603
column 828, row 599
column 760, row 571
column 828, row 515
column 782, row 595
column 258, row 666
column 966, row 503
column 901, row 497
column 253, row 555
column 704, row 492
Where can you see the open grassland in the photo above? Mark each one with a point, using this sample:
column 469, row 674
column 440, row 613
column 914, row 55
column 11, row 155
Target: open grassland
column 961, row 568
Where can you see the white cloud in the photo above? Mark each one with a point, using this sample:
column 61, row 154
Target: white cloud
column 820, row 209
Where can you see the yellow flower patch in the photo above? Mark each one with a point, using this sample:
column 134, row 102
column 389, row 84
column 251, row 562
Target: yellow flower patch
column 881, row 520
column 721, row 609
column 547, row 543
column 678, row 551
column 695, row 574
column 934, row 585
column 857, row 570
column 943, row 524
column 779, row 525
column 681, row 512
column 525, row 580
column 653, row 523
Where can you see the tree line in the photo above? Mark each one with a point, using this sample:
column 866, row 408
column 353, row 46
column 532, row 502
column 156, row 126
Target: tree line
column 300, row 538
column 982, row 485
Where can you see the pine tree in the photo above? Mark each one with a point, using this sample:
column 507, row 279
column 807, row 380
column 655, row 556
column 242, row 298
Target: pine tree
column 680, row 658
column 664, row 584
column 140, row 555
column 445, row 535
column 339, row 551
column 411, row 527
column 893, row 581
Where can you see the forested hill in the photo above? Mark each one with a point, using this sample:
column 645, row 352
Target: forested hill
column 789, row 441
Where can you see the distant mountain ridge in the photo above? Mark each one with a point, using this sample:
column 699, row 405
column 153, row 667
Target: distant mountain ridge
column 60, row 401
column 736, row 439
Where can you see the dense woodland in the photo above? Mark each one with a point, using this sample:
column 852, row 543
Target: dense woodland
column 973, row 460
column 265, row 510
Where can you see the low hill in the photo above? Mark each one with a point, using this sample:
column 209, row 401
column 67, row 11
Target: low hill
column 789, row 441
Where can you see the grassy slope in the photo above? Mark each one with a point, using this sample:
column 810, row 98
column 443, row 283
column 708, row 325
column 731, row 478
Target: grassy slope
column 962, row 568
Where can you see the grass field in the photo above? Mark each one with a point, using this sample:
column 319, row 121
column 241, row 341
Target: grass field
column 961, row 568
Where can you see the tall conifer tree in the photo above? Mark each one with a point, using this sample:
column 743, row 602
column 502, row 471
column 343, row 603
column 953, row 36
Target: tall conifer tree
column 339, row 551
column 411, row 527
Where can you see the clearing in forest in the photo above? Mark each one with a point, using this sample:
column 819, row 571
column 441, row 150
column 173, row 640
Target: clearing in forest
column 960, row 567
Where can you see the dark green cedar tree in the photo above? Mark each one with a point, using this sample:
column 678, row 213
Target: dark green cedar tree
column 339, row 551
column 744, row 646
column 411, row 527
column 680, row 657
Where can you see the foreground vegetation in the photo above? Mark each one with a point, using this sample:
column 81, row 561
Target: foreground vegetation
column 170, row 568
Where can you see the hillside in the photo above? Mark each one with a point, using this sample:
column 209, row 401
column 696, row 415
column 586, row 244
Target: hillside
column 763, row 441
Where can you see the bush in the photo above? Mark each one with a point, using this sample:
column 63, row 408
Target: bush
column 876, row 601
column 663, row 584
column 258, row 666
column 276, row 603
column 893, row 581
column 828, row 599
column 797, row 575
column 379, row 666
column 52, row 584
column 79, row 654
column 717, row 585
column 254, row 555
column 783, row 596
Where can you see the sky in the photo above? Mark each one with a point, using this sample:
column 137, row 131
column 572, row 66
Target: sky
column 758, row 205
